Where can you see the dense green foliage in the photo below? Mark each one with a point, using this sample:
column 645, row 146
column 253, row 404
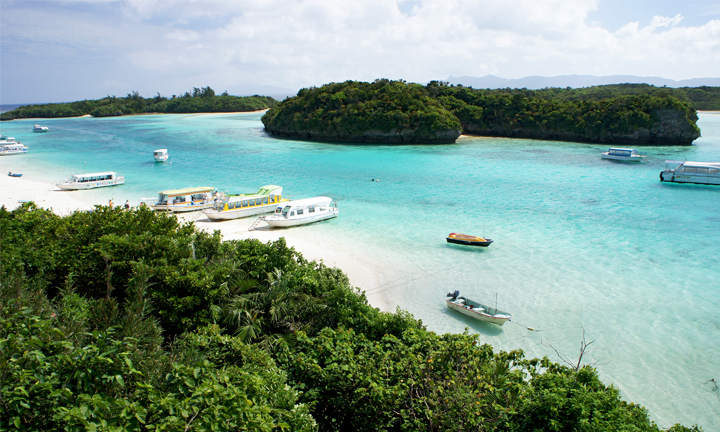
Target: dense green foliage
column 599, row 114
column 381, row 111
column 128, row 320
column 397, row 112
column 202, row 100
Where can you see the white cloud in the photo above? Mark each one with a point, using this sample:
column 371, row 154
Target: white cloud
column 292, row 44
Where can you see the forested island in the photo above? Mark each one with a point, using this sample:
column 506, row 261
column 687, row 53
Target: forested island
column 125, row 320
column 386, row 111
column 201, row 100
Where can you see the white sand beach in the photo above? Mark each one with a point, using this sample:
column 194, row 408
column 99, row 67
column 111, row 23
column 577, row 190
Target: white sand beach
column 363, row 273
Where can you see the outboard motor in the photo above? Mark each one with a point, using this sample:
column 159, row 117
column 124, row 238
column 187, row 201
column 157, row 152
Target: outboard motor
column 453, row 295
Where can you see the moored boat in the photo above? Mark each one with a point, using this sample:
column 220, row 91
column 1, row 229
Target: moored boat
column 301, row 212
column 468, row 240
column 707, row 173
column 160, row 155
column 11, row 147
column 237, row 206
column 623, row 155
column 91, row 181
column 182, row 200
column 476, row 310
column 39, row 128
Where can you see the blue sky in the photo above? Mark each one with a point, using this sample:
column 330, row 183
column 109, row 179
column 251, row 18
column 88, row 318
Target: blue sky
column 53, row 51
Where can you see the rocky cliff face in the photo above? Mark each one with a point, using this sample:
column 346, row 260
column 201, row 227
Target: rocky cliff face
column 671, row 128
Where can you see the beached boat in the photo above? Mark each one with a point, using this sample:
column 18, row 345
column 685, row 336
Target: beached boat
column 11, row 147
column 623, row 155
column 160, row 155
column 301, row 212
column 39, row 128
column 476, row 310
column 237, row 206
column 182, row 200
column 468, row 240
column 691, row 172
column 91, row 181
column 12, row 174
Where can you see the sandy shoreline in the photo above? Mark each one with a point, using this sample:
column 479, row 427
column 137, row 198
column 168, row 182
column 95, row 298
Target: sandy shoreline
column 363, row 273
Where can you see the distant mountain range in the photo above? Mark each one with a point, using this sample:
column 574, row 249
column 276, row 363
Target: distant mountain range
column 575, row 81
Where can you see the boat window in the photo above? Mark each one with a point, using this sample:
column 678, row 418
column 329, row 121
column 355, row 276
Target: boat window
column 258, row 201
column 180, row 199
column 300, row 211
column 714, row 171
column 231, row 205
column 292, row 213
column 702, row 170
column 265, row 200
column 689, row 170
column 285, row 210
column 311, row 210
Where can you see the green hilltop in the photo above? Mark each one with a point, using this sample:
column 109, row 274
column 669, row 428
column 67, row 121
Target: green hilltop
column 386, row 111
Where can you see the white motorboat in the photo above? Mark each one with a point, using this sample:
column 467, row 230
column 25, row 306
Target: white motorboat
column 623, row 154
column 182, row 200
column 691, row 172
column 301, row 212
column 92, row 181
column 9, row 146
column 161, row 155
column 237, row 206
column 476, row 310
column 39, row 128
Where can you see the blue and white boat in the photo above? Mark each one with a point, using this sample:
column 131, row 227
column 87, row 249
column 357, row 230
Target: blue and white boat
column 623, row 155
column 691, row 172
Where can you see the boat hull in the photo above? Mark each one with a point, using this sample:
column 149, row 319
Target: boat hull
column 485, row 243
column 631, row 159
column 282, row 222
column 222, row 215
column 91, row 185
column 12, row 152
column 479, row 313
column 706, row 179
column 182, row 208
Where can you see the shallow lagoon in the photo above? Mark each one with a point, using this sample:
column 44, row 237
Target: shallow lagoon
column 581, row 243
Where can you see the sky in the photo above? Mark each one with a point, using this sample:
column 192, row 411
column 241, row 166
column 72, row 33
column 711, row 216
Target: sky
column 61, row 51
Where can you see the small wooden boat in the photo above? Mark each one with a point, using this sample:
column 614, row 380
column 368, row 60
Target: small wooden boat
column 12, row 174
column 476, row 310
column 468, row 240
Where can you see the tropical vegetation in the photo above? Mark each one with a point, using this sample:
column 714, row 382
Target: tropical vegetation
column 201, row 100
column 398, row 112
column 120, row 320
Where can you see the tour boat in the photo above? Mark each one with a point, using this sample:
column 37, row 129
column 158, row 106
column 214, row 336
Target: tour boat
column 228, row 207
column 91, row 181
column 468, row 240
column 39, row 128
column 161, row 155
column 182, row 200
column 12, row 147
column 623, row 154
column 476, row 310
column 301, row 212
column 692, row 172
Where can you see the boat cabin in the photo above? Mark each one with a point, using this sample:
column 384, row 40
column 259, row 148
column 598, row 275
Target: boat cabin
column 266, row 195
column 304, row 207
column 161, row 155
column 93, row 177
column 616, row 151
column 185, row 196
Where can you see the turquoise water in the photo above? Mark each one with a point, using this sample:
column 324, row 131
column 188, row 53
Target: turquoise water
column 581, row 243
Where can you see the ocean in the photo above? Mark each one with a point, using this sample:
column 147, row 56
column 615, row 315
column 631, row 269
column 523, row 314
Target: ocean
column 584, row 247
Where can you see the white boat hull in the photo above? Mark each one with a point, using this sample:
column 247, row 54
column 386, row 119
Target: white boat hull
column 708, row 179
column 221, row 215
column 480, row 313
column 91, row 185
column 161, row 159
column 12, row 152
column 632, row 159
column 181, row 208
column 279, row 221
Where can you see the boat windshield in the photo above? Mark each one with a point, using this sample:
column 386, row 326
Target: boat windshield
column 278, row 210
column 286, row 210
column 162, row 198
